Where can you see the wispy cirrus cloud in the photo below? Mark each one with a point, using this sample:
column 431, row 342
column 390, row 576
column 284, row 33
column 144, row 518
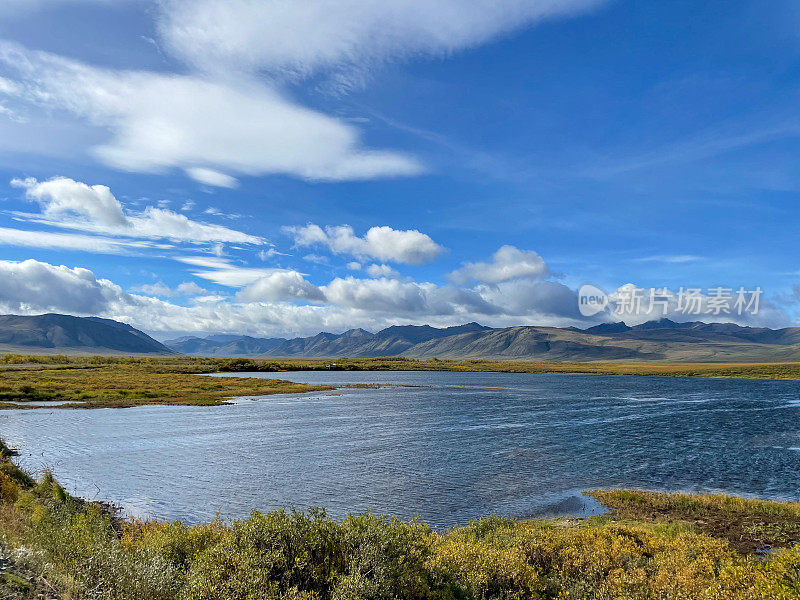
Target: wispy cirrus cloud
column 223, row 119
column 300, row 39
column 73, row 241
column 212, row 129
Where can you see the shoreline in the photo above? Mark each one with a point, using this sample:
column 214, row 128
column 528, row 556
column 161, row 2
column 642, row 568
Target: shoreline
column 650, row 545
column 114, row 382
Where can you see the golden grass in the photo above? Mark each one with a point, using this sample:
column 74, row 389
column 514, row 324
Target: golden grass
column 128, row 384
column 103, row 381
column 748, row 524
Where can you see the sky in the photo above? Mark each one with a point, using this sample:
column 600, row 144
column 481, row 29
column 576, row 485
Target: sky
column 276, row 168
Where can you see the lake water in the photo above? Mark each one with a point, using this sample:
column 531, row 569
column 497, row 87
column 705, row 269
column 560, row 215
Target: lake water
column 462, row 445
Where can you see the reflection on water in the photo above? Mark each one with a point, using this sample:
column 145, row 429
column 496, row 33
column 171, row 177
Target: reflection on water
column 464, row 444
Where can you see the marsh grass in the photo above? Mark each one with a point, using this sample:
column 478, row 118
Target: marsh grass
column 749, row 525
column 125, row 383
column 108, row 381
column 60, row 546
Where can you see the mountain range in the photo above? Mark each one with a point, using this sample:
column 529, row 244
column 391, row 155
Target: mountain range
column 663, row 340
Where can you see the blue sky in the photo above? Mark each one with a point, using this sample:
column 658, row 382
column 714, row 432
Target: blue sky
column 276, row 168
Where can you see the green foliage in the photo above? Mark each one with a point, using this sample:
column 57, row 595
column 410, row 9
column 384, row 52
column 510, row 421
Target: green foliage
column 82, row 551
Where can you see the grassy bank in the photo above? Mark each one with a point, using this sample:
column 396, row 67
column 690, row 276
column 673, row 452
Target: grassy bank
column 56, row 546
column 105, row 382
column 189, row 365
column 129, row 381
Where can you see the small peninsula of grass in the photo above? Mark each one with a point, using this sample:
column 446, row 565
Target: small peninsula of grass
column 100, row 382
column 651, row 547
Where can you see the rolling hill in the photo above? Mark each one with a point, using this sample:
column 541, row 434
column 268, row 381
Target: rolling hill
column 65, row 334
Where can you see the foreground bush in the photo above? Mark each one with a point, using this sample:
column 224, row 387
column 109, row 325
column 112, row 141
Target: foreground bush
column 79, row 550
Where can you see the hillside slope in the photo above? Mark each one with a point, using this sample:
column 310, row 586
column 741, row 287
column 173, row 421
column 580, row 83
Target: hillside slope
column 55, row 333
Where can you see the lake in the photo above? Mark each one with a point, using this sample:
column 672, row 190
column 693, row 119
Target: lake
column 458, row 446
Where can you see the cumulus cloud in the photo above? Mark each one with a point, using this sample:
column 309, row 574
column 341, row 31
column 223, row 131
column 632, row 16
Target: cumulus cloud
column 404, row 297
column 384, row 243
column 285, row 303
column 61, row 196
column 70, row 204
column 507, row 263
column 213, row 129
column 34, row 285
column 281, row 285
column 382, row 271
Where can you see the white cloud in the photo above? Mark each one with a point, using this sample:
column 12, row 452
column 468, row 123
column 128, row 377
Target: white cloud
column 285, row 303
column 507, row 263
column 72, row 241
column 212, row 177
column 382, row 271
column 190, row 288
column 670, row 258
column 272, row 252
column 316, row 259
column 10, row 8
column 159, row 288
column 302, row 38
column 70, row 204
column 38, row 286
column 383, row 243
column 61, row 196
column 404, row 297
column 354, row 266
column 224, row 272
column 221, row 119
column 281, row 285
column 532, row 300
column 211, row 128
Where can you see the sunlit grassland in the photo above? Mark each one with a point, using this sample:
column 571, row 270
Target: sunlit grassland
column 60, row 546
column 102, row 382
column 130, row 381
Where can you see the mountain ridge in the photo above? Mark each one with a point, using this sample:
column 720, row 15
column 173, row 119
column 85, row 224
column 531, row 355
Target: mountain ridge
column 57, row 333
column 662, row 340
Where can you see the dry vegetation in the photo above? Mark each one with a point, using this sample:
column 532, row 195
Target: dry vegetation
column 57, row 546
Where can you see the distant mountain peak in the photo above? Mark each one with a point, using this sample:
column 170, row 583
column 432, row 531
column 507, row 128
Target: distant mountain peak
column 607, row 328
column 358, row 332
